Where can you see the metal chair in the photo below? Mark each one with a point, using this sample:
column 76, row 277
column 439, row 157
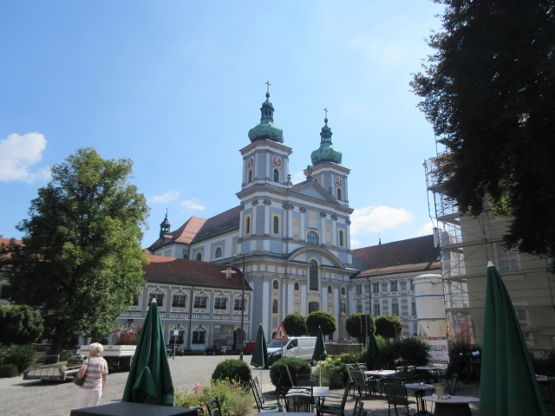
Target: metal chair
column 307, row 380
column 452, row 384
column 360, row 382
column 334, row 408
column 260, row 403
column 213, row 407
column 396, row 395
column 299, row 402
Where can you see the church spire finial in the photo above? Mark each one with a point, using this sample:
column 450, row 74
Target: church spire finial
column 268, row 85
column 326, row 116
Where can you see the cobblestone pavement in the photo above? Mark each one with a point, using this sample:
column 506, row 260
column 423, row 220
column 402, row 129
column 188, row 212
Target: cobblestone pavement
column 21, row 397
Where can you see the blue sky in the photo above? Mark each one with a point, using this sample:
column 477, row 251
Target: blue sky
column 176, row 86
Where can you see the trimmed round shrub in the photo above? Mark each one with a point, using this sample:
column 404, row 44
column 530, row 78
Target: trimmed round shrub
column 8, row 370
column 296, row 366
column 21, row 357
column 233, row 370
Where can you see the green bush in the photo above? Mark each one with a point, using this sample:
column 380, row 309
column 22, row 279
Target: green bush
column 233, row 370
column 457, row 350
column 405, row 351
column 296, row 366
column 21, row 357
column 8, row 370
column 233, row 398
column 334, row 371
column 4, row 351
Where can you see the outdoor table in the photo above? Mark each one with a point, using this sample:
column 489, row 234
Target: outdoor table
column 542, row 379
column 419, row 392
column 133, row 409
column 380, row 373
column 322, row 391
column 454, row 406
column 432, row 369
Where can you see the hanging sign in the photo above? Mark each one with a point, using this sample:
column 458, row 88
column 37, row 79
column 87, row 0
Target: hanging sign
column 281, row 335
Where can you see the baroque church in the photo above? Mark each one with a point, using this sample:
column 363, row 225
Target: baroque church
column 292, row 242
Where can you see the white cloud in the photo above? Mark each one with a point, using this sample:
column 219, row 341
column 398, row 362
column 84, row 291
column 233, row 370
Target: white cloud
column 373, row 219
column 426, row 229
column 193, row 204
column 18, row 154
column 165, row 198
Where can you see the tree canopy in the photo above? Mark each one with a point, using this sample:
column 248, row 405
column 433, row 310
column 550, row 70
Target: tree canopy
column 295, row 325
column 80, row 261
column 489, row 91
column 388, row 326
column 322, row 319
column 19, row 324
column 355, row 325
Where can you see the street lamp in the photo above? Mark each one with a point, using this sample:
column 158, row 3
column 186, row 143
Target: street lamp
column 242, row 307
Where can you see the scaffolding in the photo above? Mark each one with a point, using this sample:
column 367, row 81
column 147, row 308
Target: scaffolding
column 448, row 236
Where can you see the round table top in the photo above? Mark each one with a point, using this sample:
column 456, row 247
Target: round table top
column 452, row 399
column 383, row 373
column 431, row 367
column 419, row 386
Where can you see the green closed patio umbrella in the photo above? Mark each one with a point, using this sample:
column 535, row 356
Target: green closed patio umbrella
column 508, row 385
column 320, row 353
column 260, row 352
column 373, row 350
column 149, row 380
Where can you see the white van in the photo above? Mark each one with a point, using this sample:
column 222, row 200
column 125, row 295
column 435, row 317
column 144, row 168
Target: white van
column 300, row 347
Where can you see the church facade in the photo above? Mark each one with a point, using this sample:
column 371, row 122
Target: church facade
column 292, row 242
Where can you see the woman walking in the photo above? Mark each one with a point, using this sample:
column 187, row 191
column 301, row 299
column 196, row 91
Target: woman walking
column 95, row 371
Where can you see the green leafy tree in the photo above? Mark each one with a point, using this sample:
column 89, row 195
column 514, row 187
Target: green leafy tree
column 19, row 324
column 80, row 262
column 388, row 326
column 355, row 327
column 321, row 319
column 295, row 325
column 489, row 91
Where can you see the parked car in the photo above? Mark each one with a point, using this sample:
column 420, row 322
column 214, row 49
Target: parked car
column 178, row 350
column 248, row 347
column 215, row 350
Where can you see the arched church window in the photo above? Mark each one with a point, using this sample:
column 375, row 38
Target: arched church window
column 313, row 307
column 276, row 175
column 339, row 194
column 275, row 284
column 313, row 277
column 343, row 291
column 218, row 252
column 198, row 257
column 250, row 175
column 275, row 306
column 275, row 225
column 330, row 290
column 297, row 286
column 312, row 238
column 248, row 225
column 341, row 238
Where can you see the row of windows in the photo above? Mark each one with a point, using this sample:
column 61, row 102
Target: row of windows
column 200, row 302
column 393, row 287
column 312, row 306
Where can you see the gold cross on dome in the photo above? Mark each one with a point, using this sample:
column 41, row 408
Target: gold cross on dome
column 268, row 86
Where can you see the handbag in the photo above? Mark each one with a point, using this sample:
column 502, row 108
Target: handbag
column 80, row 381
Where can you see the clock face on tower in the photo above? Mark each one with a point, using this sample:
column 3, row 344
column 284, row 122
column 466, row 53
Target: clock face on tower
column 276, row 161
column 250, row 162
column 339, row 182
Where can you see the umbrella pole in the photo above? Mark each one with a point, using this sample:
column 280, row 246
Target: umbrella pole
column 320, row 376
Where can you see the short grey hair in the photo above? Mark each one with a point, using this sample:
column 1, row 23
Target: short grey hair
column 96, row 347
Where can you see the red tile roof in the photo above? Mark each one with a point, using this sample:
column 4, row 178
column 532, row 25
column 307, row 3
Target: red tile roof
column 414, row 254
column 174, row 271
column 219, row 224
column 183, row 234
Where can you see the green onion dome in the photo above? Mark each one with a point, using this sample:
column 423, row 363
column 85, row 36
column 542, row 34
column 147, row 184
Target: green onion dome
column 266, row 129
column 326, row 152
